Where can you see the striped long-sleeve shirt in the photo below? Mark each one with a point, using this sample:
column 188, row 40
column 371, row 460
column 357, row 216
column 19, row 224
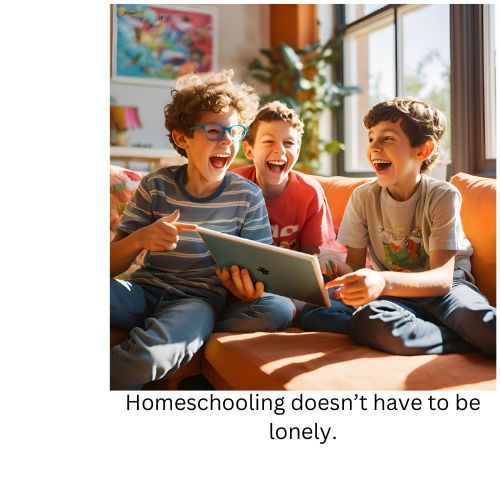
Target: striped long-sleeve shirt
column 237, row 207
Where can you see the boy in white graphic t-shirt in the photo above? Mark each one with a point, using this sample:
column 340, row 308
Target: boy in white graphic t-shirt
column 420, row 298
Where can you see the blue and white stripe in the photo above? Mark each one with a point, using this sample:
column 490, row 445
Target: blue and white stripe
column 237, row 208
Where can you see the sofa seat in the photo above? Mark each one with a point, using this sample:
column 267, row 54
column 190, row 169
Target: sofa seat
column 297, row 360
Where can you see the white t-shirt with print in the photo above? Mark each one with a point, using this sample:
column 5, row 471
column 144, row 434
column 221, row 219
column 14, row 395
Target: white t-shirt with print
column 400, row 234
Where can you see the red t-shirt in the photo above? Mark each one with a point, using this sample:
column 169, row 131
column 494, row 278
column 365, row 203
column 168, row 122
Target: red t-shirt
column 300, row 214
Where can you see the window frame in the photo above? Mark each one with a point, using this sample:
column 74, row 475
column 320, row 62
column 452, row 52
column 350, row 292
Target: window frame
column 467, row 87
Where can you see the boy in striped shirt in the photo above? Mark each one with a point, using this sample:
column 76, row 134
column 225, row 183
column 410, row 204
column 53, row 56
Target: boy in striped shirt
column 177, row 298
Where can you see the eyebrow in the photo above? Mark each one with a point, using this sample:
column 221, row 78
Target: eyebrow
column 385, row 131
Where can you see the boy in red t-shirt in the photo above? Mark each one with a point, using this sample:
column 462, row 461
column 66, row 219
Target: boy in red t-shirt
column 298, row 212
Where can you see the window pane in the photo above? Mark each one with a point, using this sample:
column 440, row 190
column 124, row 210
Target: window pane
column 369, row 61
column 425, row 63
column 489, row 83
column 353, row 12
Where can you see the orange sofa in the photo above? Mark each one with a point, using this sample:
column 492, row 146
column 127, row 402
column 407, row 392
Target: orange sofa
column 298, row 360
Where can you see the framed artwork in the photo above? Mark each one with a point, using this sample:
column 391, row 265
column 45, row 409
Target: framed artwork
column 155, row 44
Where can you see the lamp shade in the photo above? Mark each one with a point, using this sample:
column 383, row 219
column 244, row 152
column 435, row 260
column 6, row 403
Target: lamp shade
column 124, row 117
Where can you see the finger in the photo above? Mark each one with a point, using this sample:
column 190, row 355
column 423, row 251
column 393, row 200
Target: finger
column 223, row 275
column 247, row 282
column 259, row 289
column 182, row 226
column 172, row 217
column 236, row 277
column 347, row 278
column 353, row 296
column 355, row 302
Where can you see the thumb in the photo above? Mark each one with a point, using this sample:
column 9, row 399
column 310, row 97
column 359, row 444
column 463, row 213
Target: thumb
column 173, row 216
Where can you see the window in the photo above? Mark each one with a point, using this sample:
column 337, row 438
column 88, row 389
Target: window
column 489, row 83
column 443, row 54
column 387, row 55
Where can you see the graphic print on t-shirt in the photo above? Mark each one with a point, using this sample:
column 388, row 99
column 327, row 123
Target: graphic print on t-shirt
column 404, row 251
column 286, row 236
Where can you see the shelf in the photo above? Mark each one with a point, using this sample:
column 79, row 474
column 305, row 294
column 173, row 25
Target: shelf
column 154, row 157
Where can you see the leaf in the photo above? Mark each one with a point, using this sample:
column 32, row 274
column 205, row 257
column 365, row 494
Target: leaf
column 304, row 84
column 311, row 47
column 291, row 58
column 257, row 64
column 320, row 79
column 266, row 53
column 262, row 78
column 334, row 147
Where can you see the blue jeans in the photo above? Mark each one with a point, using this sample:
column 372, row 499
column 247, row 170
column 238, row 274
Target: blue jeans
column 460, row 321
column 166, row 331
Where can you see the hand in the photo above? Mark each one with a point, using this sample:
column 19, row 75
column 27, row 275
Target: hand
column 333, row 268
column 360, row 287
column 164, row 233
column 240, row 284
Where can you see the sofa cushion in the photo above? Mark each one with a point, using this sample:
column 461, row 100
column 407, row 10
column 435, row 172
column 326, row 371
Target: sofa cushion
column 295, row 360
column 338, row 190
column 479, row 221
column 122, row 183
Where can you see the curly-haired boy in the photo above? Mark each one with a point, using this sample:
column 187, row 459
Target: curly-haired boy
column 172, row 304
column 421, row 297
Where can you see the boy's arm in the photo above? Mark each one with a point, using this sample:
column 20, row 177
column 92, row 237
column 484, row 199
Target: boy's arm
column 160, row 236
column 356, row 258
column 364, row 285
column 122, row 252
column 310, row 249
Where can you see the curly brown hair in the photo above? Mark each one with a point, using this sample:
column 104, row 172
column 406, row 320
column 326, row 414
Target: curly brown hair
column 196, row 93
column 419, row 121
column 274, row 111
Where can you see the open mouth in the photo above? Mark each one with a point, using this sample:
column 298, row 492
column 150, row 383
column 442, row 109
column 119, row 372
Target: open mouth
column 381, row 166
column 276, row 167
column 219, row 161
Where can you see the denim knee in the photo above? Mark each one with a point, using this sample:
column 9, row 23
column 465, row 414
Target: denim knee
column 270, row 313
column 276, row 312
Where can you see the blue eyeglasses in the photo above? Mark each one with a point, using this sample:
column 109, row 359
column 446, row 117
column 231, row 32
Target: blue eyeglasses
column 216, row 132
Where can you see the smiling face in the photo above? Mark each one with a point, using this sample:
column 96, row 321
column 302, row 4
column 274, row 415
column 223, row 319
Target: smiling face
column 208, row 161
column 274, row 152
column 396, row 163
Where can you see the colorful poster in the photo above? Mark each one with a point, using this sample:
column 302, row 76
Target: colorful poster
column 156, row 44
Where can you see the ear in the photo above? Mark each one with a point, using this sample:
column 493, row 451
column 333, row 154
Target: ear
column 180, row 139
column 426, row 149
column 248, row 150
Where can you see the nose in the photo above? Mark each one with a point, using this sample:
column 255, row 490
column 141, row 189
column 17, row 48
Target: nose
column 278, row 148
column 374, row 146
column 226, row 138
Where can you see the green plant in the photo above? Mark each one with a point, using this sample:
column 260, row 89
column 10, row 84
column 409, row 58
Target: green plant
column 297, row 79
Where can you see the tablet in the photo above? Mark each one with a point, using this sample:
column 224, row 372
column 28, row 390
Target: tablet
column 283, row 272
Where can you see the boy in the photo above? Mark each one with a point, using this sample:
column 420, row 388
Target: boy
column 172, row 303
column 298, row 212
column 420, row 299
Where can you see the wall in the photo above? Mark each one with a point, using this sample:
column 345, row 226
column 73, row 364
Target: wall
column 241, row 31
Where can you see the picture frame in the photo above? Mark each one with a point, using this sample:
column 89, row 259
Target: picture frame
column 155, row 44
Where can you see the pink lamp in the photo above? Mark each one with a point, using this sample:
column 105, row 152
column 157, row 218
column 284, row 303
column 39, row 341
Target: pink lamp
column 122, row 119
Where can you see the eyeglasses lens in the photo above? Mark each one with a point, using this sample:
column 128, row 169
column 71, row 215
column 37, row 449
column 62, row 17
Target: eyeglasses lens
column 216, row 132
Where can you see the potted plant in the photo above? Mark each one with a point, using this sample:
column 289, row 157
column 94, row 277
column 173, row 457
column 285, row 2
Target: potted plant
column 296, row 78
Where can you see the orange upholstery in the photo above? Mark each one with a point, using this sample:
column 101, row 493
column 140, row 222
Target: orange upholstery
column 338, row 190
column 296, row 360
column 479, row 220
